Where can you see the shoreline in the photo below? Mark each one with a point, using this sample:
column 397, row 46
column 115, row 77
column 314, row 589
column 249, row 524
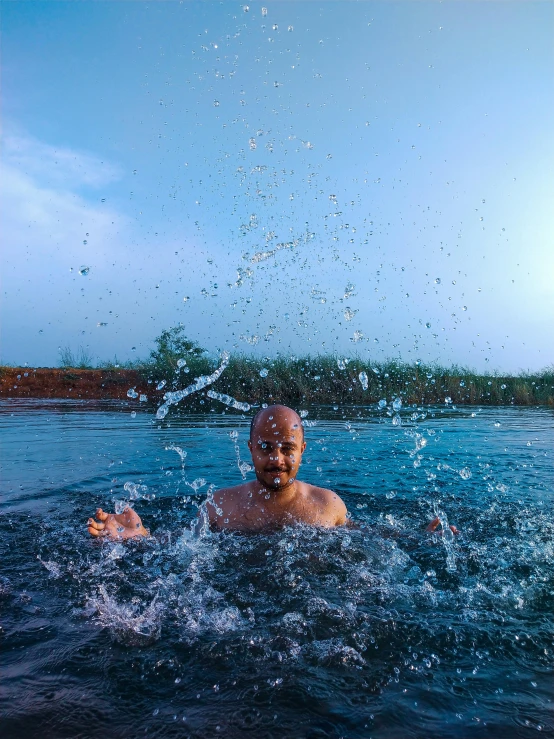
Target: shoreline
column 248, row 386
column 70, row 383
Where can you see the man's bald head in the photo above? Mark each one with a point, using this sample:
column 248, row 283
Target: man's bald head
column 277, row 411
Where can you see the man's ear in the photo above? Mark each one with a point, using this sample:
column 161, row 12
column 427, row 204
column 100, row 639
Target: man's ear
column 250, row 445
column 303, row 447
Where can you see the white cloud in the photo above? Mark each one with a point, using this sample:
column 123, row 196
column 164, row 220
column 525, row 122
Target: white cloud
column 57, row 165
column 51, row 227
column 42, row 218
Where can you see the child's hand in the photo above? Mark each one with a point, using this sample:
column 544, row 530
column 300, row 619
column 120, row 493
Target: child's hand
column 124, row 525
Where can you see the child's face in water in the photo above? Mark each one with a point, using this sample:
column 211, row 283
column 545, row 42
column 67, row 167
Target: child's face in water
column 277, row 444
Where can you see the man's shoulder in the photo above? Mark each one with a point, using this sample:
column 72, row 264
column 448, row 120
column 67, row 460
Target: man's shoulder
column 319, row 492
column 233, row 492
column 328, row 497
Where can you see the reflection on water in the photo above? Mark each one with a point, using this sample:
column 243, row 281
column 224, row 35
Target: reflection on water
column 378, row 631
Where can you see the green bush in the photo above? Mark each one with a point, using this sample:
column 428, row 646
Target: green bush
column 176, row 358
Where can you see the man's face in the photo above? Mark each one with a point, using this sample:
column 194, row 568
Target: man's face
column 277, row 446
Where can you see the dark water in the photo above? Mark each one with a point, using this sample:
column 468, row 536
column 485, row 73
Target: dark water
column 380, row 632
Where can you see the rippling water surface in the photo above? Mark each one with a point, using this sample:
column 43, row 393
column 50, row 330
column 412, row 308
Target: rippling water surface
column 383, row 631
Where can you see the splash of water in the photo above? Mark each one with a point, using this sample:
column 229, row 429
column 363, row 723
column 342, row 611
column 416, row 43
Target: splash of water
column 125, row 622
column 447, row 539
column 244, row 467
column 52, row 567
column 201, row 382
column 228, row 400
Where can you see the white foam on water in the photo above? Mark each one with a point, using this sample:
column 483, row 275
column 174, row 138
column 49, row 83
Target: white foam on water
column 126, row 621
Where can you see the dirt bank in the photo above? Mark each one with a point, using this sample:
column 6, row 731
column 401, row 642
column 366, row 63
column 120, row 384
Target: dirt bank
column 26, row 382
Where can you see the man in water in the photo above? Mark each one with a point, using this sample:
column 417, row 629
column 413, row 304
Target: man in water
column 274, row 499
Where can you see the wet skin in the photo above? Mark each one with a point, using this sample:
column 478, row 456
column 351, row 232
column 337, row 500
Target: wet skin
column 276, row 498
column 117, row 525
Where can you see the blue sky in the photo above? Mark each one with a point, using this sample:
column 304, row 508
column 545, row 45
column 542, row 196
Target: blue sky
column 370, row 178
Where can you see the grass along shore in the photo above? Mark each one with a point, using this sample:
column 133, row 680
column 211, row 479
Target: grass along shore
column 293, row 381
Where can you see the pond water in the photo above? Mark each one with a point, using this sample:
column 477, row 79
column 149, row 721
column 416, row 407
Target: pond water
column 384, row 631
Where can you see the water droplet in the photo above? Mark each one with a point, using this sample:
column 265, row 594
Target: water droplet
column 348, row 291
column 465, row 473
column 186, row 298
column 428, row 325
column 276, row 480
column 181, row 362
column 349, row 313
column 264, row 372
column 84, row 271
column 448, row 400
column 143, row 398
column 133, row 414
column 382, row 403
column 246, row 8
column 216, row 103
column 252, row 143
column 503, row 387
column 464, row 307
column 161, row 384
column 264, row 12
column 364, row 382
column 396, row 420
column 132, row 393
column 438, row 281
column 397, row 404
column 101, row 324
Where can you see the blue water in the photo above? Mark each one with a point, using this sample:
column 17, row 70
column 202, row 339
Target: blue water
column 385, row 631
